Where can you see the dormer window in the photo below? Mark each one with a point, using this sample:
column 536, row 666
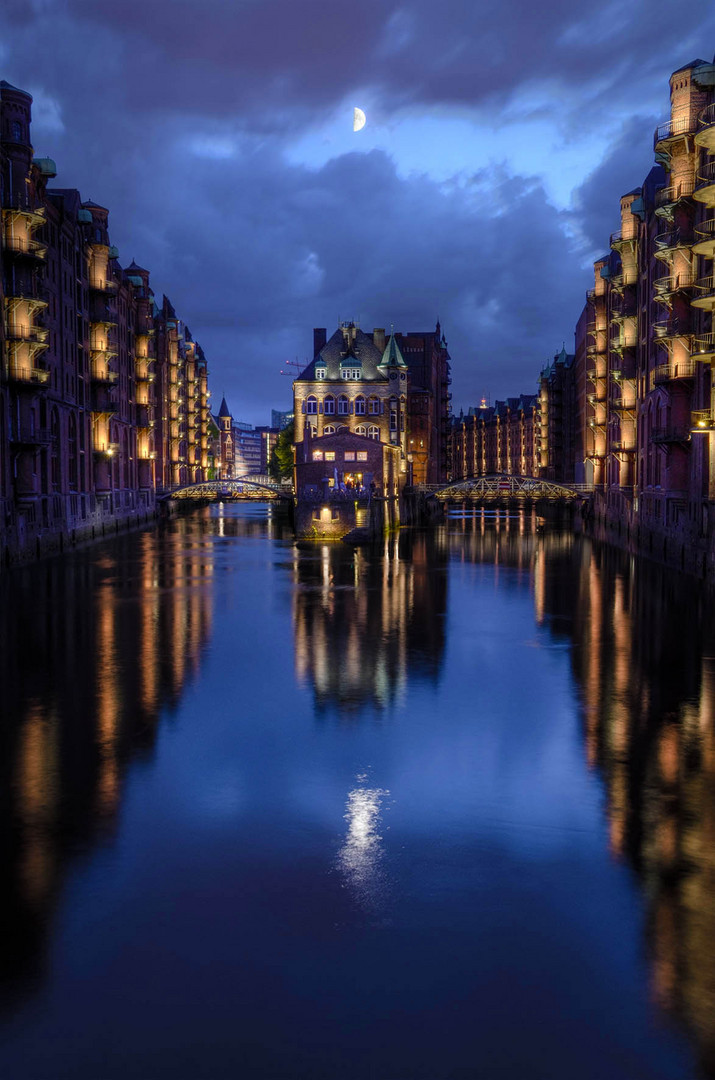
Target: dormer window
column 320, row 371
column 350, row 372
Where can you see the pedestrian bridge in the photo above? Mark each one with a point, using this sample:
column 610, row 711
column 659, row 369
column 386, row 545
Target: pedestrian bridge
column 256, row 487
column 503, row 486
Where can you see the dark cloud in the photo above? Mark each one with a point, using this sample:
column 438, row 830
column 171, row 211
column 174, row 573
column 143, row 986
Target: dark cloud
column 176, row 115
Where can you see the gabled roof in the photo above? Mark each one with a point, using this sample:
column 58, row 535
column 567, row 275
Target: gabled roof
column 362, row 347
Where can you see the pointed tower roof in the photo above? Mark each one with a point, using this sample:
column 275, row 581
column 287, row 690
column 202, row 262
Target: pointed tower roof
column 224, row 410
column 392, row 357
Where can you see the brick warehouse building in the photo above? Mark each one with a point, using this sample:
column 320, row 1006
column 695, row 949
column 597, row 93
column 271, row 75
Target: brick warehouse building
column 103, row 395
column 650, row 342
column 391, row 390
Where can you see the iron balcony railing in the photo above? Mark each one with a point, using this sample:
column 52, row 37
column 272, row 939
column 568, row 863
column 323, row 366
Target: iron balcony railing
column 665, row 373
column 31, row 375
column 673, row 128
column 21, row 245
column 673, row 238
column 703, row 346
column 674, row 193
column 706, row 176
column 36, row 334
column 672, row 434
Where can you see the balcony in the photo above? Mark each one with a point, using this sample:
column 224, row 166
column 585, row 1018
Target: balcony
column 705, row 134
column 622, row 407
column 617, row 446
column 672, row 240
column 104, row 288
column 668, row 284
column 102, row 376
column 109, row 449
column 618, row 241
column 702, row 422
column 30, row 291
column 705, row 296
column 27, row 435
column 669, row 435
column 704, row 240
column 21, row 203
column 672, row 130
column 673, row 327
column 704, row 347
column 35, row 335
column 23, row 245
column 665, row 373
column 145, row 416
column 102, row 310
column 667, row 198
column 27, row 377
column 705, row 184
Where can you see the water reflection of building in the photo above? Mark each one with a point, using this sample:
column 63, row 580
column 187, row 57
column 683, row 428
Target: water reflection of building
column 362, row 618
column 95, row 646
column 643, row 654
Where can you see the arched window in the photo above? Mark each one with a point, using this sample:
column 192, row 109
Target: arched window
column 311, row 405
column 361, row 429
column 373, row 406
column 329, row 405
column 373, row 432
column 359, row 406
column 16, row 131
column 329, row 429
column 343, row 407
column 72, row 452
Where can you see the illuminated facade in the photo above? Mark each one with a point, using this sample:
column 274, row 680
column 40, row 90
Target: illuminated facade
column 103, row 395
column 499, row 438
column 356, row 384
column 650, row 341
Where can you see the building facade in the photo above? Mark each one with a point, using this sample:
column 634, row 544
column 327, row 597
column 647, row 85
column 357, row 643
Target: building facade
column 650, row 342
column 103, row 396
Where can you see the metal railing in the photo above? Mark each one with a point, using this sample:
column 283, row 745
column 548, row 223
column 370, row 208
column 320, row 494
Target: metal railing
column 673, row 193
column 672, row 128
column 24, row 246
column 32, row 375
column 664, row 373
column 706, row 176
column 671, row 434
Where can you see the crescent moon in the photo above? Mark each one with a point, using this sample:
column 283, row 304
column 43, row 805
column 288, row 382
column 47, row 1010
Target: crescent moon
column 358, row 119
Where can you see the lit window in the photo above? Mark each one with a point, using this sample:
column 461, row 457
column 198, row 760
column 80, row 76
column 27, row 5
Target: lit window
column 320, row 373
column 373, row 432
column 343, row 405
column 317, row 455
column 349, row 455
column 373, row 406
column 311, row 405
column 360, row 406
column 330, row 455
column 361, row 430
column 329, row 406
column 362, row 455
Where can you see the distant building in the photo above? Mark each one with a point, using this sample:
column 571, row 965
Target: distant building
column 280, row 420
column 499, row 438
column 357, row 383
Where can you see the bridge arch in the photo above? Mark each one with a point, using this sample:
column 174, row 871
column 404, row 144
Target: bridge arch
column 507, row 486
column 253, row 486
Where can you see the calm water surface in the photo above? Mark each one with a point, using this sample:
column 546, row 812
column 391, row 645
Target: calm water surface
column 441, row 810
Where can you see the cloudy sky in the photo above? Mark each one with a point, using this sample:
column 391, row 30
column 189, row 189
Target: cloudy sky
column 499, row 137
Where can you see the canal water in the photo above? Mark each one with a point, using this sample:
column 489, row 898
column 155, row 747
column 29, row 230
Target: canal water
column 444, row 809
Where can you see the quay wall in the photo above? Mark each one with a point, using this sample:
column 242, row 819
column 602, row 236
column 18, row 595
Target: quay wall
column 51, row 525
column 683, row 543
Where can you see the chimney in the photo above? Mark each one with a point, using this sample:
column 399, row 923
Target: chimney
column 320, row 336
column 378, row 336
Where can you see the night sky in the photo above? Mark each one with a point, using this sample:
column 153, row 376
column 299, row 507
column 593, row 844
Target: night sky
column 499, row 138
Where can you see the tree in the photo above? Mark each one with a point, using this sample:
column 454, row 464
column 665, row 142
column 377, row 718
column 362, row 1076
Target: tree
column 280, row 466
